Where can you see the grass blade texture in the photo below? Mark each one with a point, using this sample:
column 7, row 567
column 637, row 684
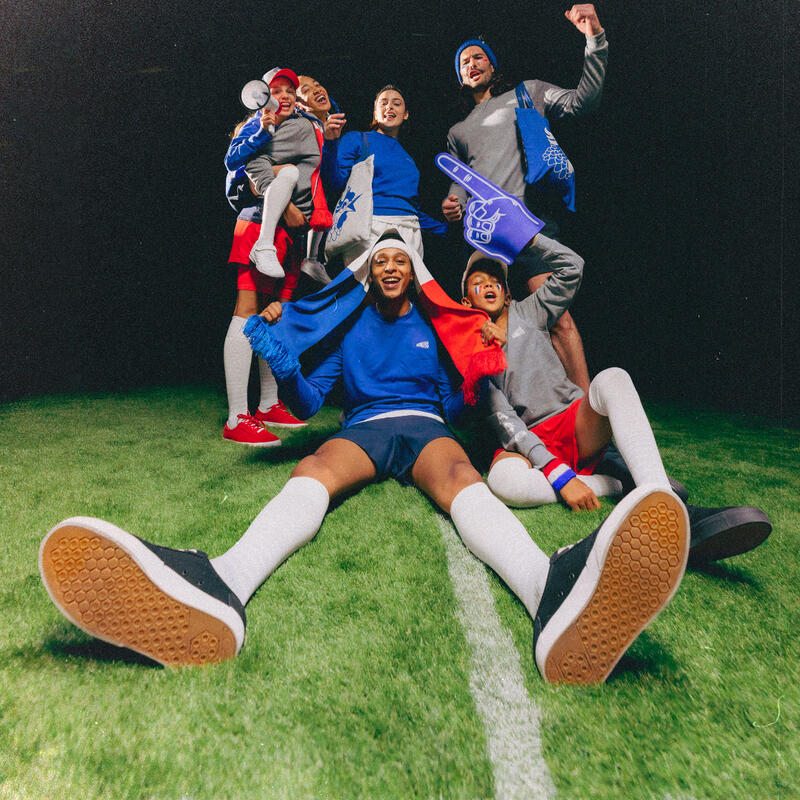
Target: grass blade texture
column 355, row 680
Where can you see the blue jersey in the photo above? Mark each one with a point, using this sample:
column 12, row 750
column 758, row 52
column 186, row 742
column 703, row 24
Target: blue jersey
column 395, row 182
column 387, row 365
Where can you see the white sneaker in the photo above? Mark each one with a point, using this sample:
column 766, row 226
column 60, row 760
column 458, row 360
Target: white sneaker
column 265, row 258
column 314, row 269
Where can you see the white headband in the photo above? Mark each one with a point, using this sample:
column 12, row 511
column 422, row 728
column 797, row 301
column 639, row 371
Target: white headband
column 384, row 244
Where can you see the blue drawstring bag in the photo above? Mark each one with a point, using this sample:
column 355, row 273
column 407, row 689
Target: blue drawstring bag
column 547, row 166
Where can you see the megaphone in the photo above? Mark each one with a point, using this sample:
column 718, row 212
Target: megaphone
column 256, row 95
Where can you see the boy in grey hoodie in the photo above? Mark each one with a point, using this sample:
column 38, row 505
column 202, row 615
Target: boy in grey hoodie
column 552, row 436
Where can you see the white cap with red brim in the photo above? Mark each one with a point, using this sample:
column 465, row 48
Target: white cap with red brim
column 280, row 72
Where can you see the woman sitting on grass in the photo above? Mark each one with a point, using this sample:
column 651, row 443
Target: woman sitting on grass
column 179, row 607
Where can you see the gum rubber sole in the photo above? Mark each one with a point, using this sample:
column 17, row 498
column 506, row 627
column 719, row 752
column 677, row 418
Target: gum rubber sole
column 99, row 587
column 642, row 570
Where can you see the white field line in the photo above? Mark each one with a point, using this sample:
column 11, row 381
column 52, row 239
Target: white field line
column 510, row 718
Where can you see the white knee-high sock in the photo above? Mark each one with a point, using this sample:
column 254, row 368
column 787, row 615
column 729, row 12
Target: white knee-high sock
column 516, row 484
column 269, row 386
column 236, row 356
column 602, row 485
column 285, row 524
column 276, row 198
column 493, row 534
column 613, row 394
column 521, row 486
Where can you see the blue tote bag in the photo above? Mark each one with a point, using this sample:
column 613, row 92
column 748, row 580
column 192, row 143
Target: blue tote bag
column 548, row 168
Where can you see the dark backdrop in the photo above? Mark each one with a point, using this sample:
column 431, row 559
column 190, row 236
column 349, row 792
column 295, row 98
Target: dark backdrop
column 115, row 230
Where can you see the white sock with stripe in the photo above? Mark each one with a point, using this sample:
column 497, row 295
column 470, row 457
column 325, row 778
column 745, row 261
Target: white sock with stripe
column 286, row 523
column 521, row 486
column 493, row 534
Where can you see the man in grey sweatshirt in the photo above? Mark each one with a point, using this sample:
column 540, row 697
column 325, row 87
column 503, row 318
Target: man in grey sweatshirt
column 487, row 140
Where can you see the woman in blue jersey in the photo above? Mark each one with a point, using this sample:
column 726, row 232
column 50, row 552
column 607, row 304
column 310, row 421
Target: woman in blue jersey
column 395, row 184
column 397, row 398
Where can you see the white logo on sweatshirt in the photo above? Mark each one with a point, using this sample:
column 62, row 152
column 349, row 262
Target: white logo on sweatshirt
column 517, row 333
column 424, row 344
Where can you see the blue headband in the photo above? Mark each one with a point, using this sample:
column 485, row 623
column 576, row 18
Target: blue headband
column 469, row 43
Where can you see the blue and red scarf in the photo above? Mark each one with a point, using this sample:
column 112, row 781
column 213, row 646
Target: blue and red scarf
column 307, row 321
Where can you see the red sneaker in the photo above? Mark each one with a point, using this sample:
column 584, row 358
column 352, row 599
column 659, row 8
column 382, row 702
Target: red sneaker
column 279, row 416
column 249, row 431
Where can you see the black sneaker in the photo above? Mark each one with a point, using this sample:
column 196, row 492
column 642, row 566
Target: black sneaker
column 613, row 464
column 603, row 591
column 170, row 605
column 724, row 532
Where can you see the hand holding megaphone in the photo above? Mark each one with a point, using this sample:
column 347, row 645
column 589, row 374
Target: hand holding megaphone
column 256, row 96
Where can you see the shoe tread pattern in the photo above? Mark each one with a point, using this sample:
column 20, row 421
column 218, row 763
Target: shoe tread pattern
column 643, row 567
column 105, row 592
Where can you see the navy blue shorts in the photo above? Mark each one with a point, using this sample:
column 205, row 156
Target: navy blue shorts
column 394, row 443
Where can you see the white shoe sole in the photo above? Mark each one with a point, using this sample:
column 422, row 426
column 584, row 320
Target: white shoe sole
column 276, row 443
column 287, row 425
column 633, row 571
column 110, row 585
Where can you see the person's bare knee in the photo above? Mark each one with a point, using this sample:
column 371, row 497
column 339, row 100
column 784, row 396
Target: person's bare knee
column 313, row 467
column 443, row 470
column 247, row 303
column 462, row 474
column 339, row 465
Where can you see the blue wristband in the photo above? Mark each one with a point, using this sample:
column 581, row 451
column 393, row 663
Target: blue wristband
column 563, row 479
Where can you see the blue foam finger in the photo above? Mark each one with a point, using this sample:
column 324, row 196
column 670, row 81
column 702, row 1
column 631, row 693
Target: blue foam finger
column 472, row 181
column 500, row 227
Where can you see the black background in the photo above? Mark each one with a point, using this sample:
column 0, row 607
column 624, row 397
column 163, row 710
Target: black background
column 115, row 229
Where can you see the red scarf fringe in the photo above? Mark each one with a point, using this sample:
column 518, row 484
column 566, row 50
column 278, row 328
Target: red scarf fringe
column 490, row 361
column 321, row 217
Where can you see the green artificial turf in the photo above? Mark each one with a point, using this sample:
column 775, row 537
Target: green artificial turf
column 354, row 681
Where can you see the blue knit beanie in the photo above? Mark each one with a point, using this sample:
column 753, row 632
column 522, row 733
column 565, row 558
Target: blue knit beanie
column 469, row 43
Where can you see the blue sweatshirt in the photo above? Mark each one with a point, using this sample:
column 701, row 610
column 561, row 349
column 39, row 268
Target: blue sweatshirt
column 395, row 183
column 386, row 365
